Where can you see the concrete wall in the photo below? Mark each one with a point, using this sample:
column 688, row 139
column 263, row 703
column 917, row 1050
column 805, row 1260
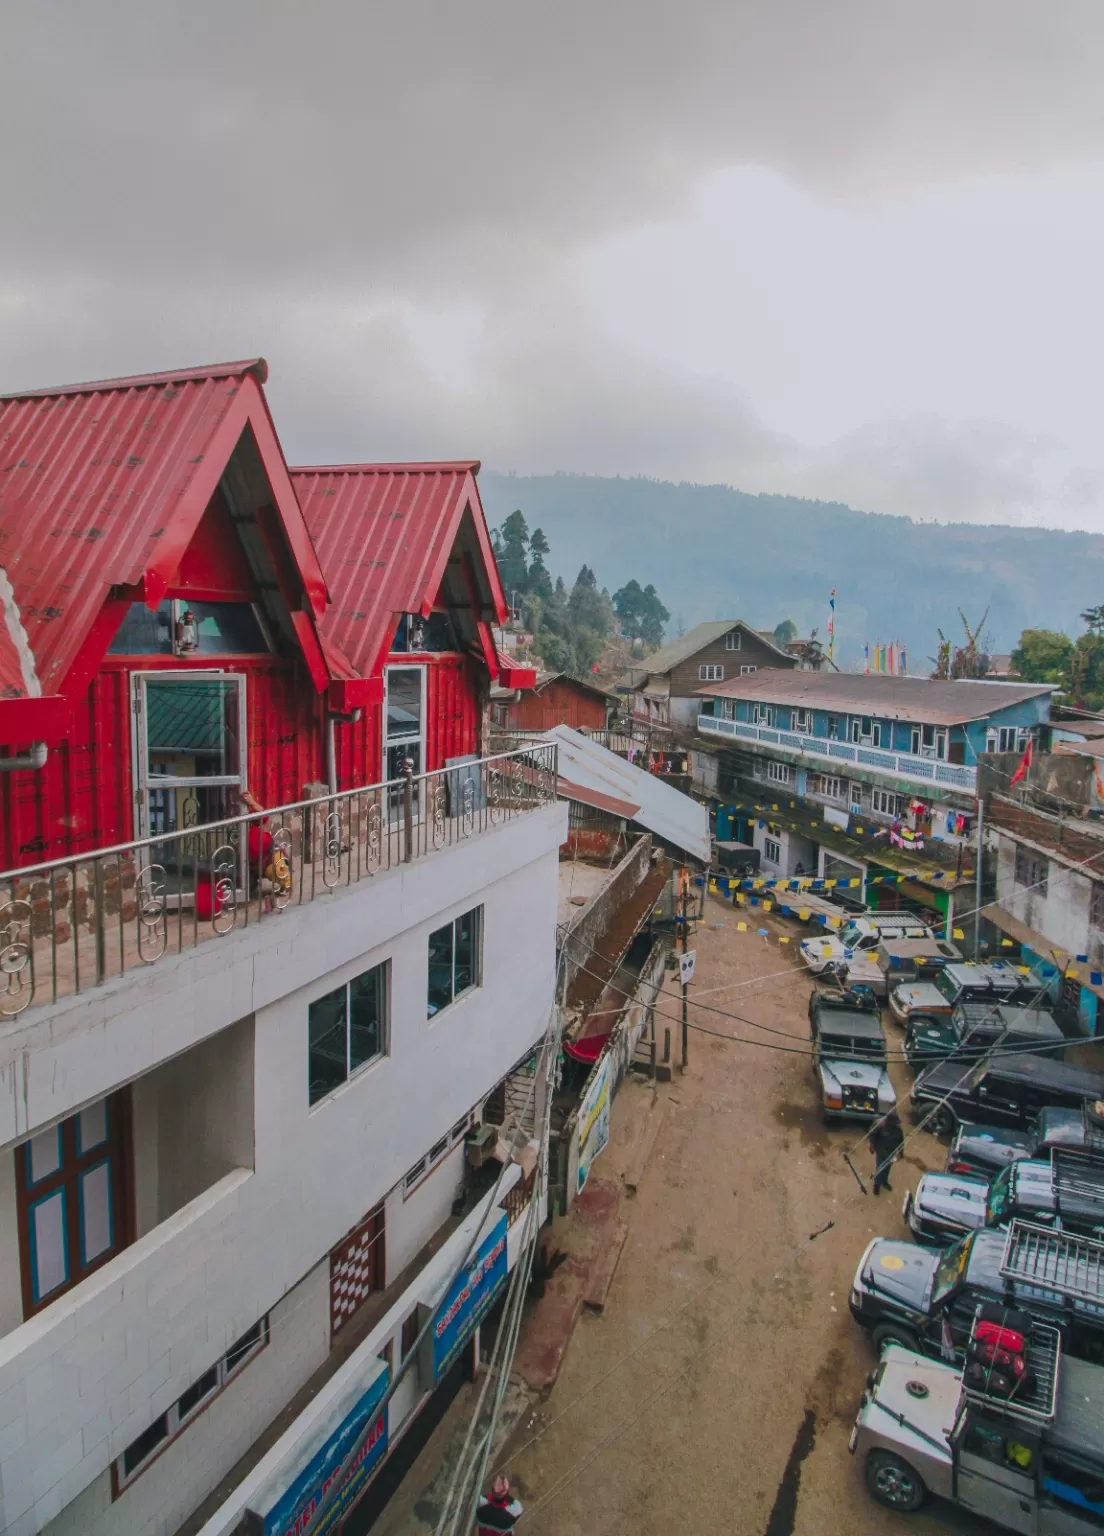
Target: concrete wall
column 1061, row 913
column 588, row 929
column 161, row 1498
column 83, row 1379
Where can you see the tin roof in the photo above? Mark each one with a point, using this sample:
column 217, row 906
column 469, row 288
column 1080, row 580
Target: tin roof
column 586, row 766
column 933, row 701
column 385, row 534
column 692, row 642
column 103, row 485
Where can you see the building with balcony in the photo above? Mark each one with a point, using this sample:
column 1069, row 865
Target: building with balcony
column 277, row 951
column 863, row 777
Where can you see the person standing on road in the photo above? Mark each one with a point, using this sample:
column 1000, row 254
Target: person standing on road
column 500, row 1512
column 886, row 1141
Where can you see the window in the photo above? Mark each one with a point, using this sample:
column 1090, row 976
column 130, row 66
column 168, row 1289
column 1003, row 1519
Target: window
column 436, row 1154
column 1096, row 906
column 927, row 741
column 346, row 1029
column 886, row 804
column 802, row 720
column 867, row 731
column 762, row 714
column 140, row 1452
column 856, row 798
column 745, row 671
column 180, row 627
column 833, row 727
column 711, row 672
column 825, row 785
column 732, row 641
column 454, row 960
column 1031, row 869
column 780, row 773
column 772, row 851
column 69, row 1184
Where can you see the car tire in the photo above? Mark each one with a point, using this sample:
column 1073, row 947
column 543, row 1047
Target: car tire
column 894, row 1333
column 944, row 1122
column 894, row 1482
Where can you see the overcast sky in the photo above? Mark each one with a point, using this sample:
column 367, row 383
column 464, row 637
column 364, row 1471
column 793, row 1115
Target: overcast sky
column 850, row 248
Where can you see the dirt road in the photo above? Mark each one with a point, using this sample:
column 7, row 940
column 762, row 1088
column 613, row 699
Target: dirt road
column 717, row 1389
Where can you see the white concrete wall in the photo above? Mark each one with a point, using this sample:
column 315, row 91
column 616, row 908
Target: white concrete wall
column 1061, row 913
column 80, row 1381
column 409, row 1220
column 162, row 1497
column 11, row 1292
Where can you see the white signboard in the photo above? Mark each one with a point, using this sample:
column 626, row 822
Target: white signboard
column 594, row 1119
column 686, row 966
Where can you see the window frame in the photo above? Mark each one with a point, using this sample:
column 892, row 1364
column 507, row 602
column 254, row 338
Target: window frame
column 415, row 1177
column 175, row 1422
column 711, row 672
column 803, row 721
column 893, row 804
column 779, row 773
column 763, row 714
column 477, row 914
column 746, row 669
column 351, row 1072
column 1030, row 870
column 776, row 857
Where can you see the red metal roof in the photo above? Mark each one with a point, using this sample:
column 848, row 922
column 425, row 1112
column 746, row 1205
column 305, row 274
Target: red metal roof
column 103, row 484
column 384, row 534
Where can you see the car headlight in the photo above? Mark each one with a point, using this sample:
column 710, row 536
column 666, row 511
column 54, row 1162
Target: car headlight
column 833, row 1098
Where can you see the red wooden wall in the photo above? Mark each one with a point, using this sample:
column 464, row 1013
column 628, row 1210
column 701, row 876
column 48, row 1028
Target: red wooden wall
column 558, row 703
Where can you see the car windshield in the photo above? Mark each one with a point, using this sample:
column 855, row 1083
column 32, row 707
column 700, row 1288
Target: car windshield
column 947, row 986
column 999, row 1202
column 950, row 1270
column 850, row 935
column 852, row 1047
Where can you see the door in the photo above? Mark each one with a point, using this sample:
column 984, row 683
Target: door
column 189, row 749
column 995, row 1472
column 404, row 725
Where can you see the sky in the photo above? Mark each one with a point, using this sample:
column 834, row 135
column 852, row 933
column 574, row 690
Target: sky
column 848, row 249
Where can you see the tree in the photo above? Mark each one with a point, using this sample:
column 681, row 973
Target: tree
column 628, row 604
column 654, row 617
column 785, row 633
column 1043, row 656
column 539, row 582
column 511, row 547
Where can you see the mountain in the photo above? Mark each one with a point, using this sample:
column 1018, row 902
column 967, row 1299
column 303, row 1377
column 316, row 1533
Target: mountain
column 714, row 552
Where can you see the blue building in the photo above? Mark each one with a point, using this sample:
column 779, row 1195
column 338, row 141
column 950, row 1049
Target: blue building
column 847, row 776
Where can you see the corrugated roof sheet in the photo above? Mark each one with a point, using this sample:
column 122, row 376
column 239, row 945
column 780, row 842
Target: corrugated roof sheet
column 91, row 478
column 384, row 533
column 930, row 700
column 666, row 811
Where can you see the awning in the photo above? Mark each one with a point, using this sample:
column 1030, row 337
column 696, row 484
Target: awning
column 595, row 798
column 1028, row 938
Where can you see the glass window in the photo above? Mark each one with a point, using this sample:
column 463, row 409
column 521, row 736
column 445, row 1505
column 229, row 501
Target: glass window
column 454, row 957
column 947, row 986
column 346, row 1029
column 1031, row 869
column 1000, row 1198
column 772, row 851
column 951, row 1268
column 200, row 629
column 732, row 640
column 145, row 633
column 404, row 702
column 227, row 629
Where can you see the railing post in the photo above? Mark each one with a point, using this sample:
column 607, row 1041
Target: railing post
column 98, row 920
column 408, row 808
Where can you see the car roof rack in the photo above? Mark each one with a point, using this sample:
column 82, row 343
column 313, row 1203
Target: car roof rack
column 1076, row 1175
column 1039, row 1401
column 1054, row 1261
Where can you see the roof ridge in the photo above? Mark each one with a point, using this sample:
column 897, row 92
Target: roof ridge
column 429, row 466
column 255, row 365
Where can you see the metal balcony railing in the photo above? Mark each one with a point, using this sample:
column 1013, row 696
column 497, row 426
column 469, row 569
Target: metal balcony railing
column 900, row 765
column 69, row 925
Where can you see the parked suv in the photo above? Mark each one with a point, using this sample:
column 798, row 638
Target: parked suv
column 926, row 1298
column 1065, row 1192
column 861, row 933
column 972, row 1028
column 983, row 1150
column 998, row 983
column 904, row 961
column 1006, row 1090
column 849, row 1055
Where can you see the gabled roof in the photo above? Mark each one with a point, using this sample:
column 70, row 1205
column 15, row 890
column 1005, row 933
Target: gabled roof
column 585, row 768
column 103, row 485
column 544, row 678
column 927, row 700
column 386, row 534
column 693, row 641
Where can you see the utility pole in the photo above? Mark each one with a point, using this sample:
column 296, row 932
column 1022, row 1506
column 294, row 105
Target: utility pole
column 683, row 885
column 977, row 879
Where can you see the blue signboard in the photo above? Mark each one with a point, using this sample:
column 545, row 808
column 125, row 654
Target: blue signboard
column 471, row 1295
column 285, row 1506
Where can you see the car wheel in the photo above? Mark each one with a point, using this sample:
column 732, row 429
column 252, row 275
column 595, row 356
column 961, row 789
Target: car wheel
column 943, row 1122
column 894, row 1333
column 893, row 1482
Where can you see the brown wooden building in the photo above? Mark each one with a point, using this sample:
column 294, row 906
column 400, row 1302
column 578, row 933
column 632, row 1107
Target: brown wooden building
column 557, row 699
column 663, row 687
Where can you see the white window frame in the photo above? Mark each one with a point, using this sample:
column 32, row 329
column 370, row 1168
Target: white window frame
column 890, row 804
column 746, row 671
column 929, row 741
column 416, row 1176
column 803, row 721
column 822, row 785
column 175, row 1422
column 143, row 780
column 733, row 641
column 866, row 731
column 776, row 856
column 762, row 714
column 779, row 773
column 855, row 796
column 711, row 672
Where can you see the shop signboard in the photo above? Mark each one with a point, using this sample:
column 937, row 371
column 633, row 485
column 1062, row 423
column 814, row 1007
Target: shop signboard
column 283, row 1506
column 469, row 1298
column 594, row 1114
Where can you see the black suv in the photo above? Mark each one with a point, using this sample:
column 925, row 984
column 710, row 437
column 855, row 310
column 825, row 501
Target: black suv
column 974, row 1028
column 983, row 1150
column 926, row 1299
column 1007, row 1089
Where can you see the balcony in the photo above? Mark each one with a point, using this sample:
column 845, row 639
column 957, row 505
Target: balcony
column 70, row 925
column 927, row 771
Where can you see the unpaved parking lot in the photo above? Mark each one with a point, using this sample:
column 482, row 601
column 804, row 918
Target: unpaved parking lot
column 717, row 1389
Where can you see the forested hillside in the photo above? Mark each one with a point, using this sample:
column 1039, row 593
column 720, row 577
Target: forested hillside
column 714, row 552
